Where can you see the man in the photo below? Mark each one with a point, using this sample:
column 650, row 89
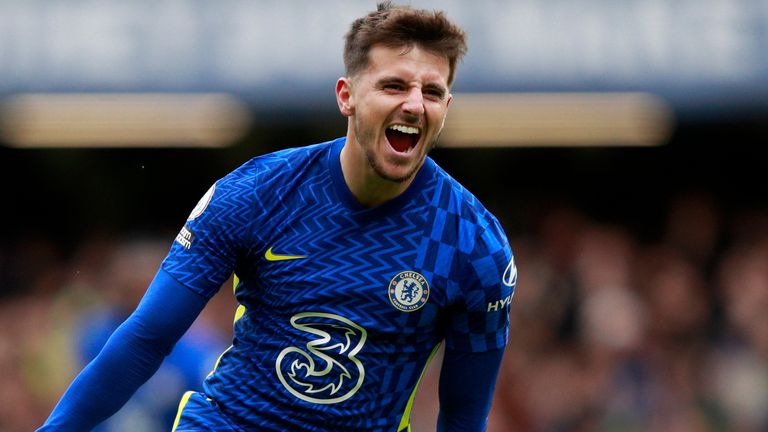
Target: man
column 355, row 258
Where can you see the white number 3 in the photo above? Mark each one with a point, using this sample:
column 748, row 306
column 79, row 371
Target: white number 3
column 328, row 371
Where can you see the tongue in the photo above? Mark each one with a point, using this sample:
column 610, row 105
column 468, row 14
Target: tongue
column 399, row 141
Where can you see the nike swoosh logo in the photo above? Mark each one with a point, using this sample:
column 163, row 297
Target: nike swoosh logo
column 278, row 257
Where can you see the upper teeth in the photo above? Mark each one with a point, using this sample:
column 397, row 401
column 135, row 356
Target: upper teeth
column 405, row 129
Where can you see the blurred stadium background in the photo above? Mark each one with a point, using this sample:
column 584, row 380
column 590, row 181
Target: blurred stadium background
column 619, row 142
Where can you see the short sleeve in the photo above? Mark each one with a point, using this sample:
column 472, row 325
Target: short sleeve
column 479, row 317
column 205, row 251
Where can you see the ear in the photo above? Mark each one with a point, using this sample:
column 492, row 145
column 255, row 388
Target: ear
column 447, row 104
column 344, row 96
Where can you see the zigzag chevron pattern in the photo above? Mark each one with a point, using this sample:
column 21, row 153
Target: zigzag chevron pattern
column 344, row 259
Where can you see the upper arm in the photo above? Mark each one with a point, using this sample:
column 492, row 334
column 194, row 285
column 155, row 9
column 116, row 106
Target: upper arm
column 478, row 330
column 479, row 314
column 206, row 250
column 164, row 314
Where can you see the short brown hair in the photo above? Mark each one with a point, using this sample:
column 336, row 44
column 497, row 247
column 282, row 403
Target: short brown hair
column 396, row 26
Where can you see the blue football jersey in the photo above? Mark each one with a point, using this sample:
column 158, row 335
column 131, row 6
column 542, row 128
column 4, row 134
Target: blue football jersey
column 341, row 306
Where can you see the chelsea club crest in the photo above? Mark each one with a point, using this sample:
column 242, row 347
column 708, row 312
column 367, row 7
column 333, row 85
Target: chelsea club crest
column 408, row 291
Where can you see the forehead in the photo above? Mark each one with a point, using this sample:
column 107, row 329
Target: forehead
column 409, row 63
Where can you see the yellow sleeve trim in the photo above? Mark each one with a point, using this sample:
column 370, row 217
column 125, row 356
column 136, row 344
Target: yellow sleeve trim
column 182, row 404
column 405, row 421
column 239, row 312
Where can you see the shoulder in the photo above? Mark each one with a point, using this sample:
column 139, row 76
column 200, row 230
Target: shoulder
column 464, row 210
column 272, row 171
column 253, row 183
column 280, row 163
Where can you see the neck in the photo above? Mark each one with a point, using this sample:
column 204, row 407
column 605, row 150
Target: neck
column 366, row 185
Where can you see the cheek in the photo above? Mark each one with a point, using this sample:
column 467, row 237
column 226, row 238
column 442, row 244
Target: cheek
column 438, row 116
column 372, row 112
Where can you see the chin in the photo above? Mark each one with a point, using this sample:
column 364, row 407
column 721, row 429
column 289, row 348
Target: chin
column 389, row 164
column 396, row 173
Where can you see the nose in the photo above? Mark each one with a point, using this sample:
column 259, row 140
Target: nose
column 414, row 102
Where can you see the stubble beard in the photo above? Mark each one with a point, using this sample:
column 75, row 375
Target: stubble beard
column 377, row 165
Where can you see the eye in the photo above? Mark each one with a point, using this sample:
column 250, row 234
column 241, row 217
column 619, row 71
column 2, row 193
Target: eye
column 434, row 93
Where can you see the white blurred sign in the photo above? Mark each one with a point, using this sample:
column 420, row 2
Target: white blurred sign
column 263, row 48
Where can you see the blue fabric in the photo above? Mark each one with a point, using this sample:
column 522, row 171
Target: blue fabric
column 467, row 381
column 342, row 305
column 130, row 357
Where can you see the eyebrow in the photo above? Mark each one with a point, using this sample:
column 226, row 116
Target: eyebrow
column 397, row 80
column 390, row 80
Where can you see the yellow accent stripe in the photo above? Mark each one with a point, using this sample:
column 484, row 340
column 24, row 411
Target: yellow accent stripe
column 182, row 404
column 238, row 314
column 240, row 308
column 405, row 421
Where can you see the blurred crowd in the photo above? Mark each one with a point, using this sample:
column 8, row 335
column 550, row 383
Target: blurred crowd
column 610, row 330
column 612, row 333
column 66, row 311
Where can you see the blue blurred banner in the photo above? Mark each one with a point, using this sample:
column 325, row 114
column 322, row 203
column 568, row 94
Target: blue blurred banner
column 269, row 52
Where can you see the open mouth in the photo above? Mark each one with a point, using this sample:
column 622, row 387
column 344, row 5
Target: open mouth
column 402, row 138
